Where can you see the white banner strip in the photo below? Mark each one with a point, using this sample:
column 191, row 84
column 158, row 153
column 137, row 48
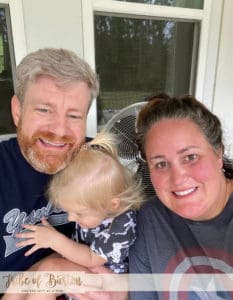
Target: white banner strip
column 70, row 282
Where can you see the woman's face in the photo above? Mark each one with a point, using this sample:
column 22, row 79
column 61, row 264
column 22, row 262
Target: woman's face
column 185, row 170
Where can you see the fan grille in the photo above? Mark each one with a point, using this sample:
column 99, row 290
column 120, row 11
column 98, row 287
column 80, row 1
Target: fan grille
column 123, row 124
column 124, row 128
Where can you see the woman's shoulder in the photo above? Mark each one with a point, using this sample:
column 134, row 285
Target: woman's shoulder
column 150, row 208
column 151, row 203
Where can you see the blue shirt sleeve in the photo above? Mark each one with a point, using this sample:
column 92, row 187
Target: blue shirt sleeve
column 113, row 243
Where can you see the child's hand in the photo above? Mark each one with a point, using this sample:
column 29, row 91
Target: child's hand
column 39, row 236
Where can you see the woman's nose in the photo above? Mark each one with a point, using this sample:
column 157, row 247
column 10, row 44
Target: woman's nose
column 178, row 175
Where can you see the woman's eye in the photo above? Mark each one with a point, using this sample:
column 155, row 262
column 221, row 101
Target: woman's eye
column 161, row 165
column 191, row 157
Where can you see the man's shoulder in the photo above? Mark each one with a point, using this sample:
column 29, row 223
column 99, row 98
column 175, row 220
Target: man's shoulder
column 8, row 147
column 7, row 136
column 12, row 160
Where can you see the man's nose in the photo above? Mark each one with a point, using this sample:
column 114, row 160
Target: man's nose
column 58, row 125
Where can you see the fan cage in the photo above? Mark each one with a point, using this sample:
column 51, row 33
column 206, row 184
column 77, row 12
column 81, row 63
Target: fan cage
column 123, row 125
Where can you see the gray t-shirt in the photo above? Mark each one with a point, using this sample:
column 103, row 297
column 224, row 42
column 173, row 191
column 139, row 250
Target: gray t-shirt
column 169, row 244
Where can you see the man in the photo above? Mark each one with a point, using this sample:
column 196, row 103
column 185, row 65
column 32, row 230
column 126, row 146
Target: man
column 53, row 92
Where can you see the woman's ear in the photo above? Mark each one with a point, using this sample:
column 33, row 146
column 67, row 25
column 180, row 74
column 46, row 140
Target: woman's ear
column 115, row 203
column 15, row 109
column 220, row 157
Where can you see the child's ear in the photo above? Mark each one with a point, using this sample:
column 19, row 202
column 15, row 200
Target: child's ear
column 115, row 203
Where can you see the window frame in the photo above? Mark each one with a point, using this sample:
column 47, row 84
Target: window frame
column 208, row 40
column 17, row 28
column 16, row 36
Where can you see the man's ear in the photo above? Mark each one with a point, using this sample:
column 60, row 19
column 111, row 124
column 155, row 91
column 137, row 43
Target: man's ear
column 115, row 203
column 15, row 109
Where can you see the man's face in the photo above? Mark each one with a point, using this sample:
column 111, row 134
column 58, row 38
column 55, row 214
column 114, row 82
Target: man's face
column 51, row 122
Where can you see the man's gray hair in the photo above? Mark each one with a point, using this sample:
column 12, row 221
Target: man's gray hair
column 61, row 64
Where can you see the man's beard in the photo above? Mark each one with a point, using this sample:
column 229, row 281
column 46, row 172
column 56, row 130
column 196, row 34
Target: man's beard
column 48, row 162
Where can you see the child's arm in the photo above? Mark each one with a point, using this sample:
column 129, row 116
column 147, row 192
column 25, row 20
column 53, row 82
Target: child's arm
column 46, row 236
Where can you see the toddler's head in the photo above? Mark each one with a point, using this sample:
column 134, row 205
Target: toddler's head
column 95, row 183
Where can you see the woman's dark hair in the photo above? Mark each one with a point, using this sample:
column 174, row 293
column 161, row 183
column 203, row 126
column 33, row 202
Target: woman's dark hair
column 186, row 107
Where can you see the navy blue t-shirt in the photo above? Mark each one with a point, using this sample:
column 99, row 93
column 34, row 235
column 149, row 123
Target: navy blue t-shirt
column 22, row 200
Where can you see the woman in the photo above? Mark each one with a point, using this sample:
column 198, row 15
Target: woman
column 188, row 228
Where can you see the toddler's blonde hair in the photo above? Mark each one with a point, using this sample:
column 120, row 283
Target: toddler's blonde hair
column 94, row 177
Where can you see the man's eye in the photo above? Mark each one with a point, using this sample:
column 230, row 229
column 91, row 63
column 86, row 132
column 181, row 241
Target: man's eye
column 43, row 110
column 72, row 116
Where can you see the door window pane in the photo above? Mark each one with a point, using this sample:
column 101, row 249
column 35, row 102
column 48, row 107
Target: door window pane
column 177, row 3
column 136, row 58
column 6, row 78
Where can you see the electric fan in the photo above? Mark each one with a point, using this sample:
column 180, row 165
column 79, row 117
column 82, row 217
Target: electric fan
column 123, row 124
